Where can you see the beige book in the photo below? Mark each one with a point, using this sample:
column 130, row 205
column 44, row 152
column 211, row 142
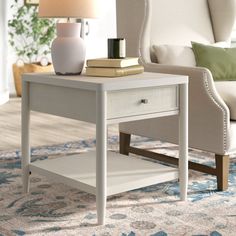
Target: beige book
column 107, row 62
column 114, row 72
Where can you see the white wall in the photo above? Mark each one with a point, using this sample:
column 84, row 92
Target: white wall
column 101, row 29
column 11, row 56
column 4, row 90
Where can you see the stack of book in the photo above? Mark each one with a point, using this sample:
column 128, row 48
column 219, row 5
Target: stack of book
column 113, row 67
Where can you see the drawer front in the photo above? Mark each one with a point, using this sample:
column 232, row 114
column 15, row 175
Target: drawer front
column 133, row 102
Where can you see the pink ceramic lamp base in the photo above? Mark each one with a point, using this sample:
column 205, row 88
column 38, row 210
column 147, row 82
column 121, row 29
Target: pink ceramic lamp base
column 68, row 50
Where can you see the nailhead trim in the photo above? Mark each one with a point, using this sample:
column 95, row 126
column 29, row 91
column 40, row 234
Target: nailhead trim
column 221, row 107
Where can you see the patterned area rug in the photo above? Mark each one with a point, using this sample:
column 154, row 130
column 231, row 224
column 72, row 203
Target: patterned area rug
column 56, row 209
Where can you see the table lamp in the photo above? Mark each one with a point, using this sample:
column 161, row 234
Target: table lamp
column 68, row 49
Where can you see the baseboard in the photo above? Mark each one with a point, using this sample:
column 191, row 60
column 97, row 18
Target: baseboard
column 4, row 97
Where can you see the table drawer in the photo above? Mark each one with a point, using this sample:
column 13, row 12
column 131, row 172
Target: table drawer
column 133, row 102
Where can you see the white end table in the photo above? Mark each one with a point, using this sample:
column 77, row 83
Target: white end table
column 104, row 101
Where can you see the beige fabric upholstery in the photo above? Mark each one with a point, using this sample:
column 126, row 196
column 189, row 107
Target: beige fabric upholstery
column 194, row 12
column 227, row 90
column 179, row 55
column 223, row 17
column 174, row 55
column 232, row 137
column 170, row 22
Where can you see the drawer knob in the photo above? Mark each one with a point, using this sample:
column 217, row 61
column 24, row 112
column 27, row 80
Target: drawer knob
column 144, row 101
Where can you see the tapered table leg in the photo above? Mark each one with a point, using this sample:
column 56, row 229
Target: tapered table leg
column 101, row 156
column 25, row 145
column 183, row 142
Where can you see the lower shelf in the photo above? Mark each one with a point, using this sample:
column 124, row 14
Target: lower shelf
column 124, row 173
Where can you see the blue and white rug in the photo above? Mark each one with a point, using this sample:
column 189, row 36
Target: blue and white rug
column 56, row 209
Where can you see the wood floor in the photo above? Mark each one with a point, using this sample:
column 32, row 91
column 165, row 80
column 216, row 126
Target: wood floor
column 45, row 129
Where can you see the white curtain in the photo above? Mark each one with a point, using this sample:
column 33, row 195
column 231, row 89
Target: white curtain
column 4, row 90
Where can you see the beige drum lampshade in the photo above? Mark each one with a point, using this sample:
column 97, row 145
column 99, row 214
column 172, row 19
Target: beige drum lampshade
column 69, row 8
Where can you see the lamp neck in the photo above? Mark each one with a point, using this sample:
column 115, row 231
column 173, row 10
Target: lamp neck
column 68, row 29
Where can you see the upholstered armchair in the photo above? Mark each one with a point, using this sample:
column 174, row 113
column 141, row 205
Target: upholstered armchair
column 212, row 111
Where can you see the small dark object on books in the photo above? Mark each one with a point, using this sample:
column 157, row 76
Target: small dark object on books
column 116, row 48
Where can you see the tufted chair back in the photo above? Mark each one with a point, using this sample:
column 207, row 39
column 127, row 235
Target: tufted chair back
column 176, row 22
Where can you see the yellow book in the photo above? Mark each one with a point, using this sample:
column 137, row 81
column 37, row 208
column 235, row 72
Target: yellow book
column 118, row 63
column 114, row 72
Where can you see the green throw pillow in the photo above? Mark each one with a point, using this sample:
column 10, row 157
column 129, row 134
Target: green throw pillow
column 220, row 61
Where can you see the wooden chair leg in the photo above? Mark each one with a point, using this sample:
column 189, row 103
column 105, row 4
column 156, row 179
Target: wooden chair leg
column 124, row 143
column 222, row 171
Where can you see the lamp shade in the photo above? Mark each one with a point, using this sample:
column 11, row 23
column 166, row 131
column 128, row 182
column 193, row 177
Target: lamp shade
column 69, row 8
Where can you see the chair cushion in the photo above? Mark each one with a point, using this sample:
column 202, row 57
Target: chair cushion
column 220, row 61
column 174, row 55
column 227, row 91
column 178, row 55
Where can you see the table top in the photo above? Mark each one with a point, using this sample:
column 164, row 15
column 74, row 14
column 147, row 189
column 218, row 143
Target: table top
column 144, row 80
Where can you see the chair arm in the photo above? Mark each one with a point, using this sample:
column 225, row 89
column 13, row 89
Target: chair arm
column 206, row 108
column 200, row 83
